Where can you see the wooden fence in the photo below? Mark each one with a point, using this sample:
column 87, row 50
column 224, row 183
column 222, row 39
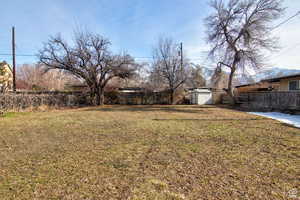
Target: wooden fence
column 144, row 98
column 268, row 101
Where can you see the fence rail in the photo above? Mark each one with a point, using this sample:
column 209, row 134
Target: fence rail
column 270, row 100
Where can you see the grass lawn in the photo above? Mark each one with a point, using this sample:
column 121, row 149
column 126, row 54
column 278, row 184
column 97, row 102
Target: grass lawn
column 147, row 152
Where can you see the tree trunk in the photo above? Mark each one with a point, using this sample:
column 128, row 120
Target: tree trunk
column 96, row 96
column 172, row 97
column 101, row 97
column 92, row 96
column 230, row 91
column 98, row 99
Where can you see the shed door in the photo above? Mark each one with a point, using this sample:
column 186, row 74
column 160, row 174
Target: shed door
column 204, row 98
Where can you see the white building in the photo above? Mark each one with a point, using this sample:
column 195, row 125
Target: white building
column 201, row 96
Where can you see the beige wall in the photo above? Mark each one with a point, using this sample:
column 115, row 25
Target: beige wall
column 284, row 83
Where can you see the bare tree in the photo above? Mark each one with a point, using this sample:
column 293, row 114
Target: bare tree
column 138, row 79
column 88, row 59
column 33, row 77
column 195, row 76
column 30, row 77
column 167, row 64
column 155, row 82
column 219, row 79
column 239, row 32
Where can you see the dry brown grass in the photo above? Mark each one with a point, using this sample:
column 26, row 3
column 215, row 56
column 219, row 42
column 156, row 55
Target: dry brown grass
column 147, row 152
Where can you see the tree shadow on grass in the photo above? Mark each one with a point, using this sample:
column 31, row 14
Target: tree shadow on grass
column 205, row 119
column 154, row 108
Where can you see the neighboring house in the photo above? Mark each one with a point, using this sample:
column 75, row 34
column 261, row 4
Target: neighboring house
column 131, row 90
column 80, row 87
column 285, row 98
column 257, row 87
column 6, row 77
column 132, row 96
column 286, row 83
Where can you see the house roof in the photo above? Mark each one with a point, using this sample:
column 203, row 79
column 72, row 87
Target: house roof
column 196, row 88
column 132, row 88
column 277, row 79
column 245, row 85
column 77, row 85
column 258, row 84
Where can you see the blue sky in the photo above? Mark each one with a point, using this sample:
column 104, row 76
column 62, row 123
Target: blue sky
column 132, row 25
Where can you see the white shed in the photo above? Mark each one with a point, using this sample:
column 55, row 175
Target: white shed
column 201, row 96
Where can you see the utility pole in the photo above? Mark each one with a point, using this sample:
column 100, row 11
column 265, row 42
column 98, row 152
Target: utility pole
column 14, row 58
column 181, row 54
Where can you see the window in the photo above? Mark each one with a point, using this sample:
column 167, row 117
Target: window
column 294, row 85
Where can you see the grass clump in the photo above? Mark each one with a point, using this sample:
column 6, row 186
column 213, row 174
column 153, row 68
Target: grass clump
column 155, row 189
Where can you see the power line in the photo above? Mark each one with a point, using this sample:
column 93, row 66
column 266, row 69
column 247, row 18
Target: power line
column 285, row 21
column 282, row 23
column 198, row 58
column 277, row 26
column 284, row 51
column 139, row 58
column 9, row 54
